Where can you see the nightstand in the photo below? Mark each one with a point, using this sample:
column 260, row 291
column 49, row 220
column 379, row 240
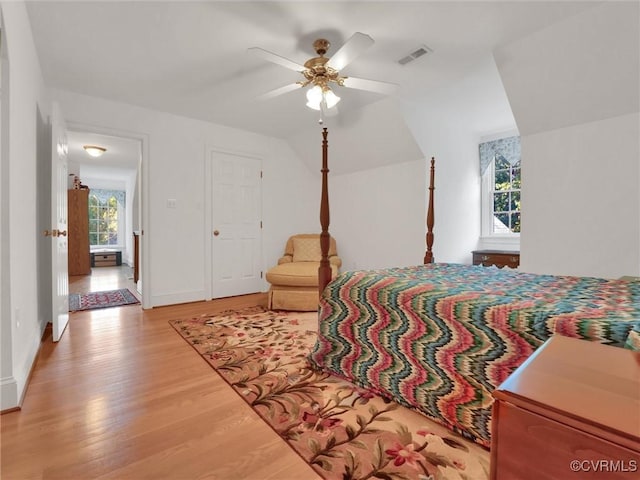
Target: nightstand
column 499, row 258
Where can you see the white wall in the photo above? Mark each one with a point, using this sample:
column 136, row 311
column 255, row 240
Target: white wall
column 582, row 203
column 8, row 386
column 131, row 210
column 290, row 200
column 448, row 125
column 378, row 216
column 574, row 90
column 376, row 185
column 177, row 242
column 21, row 329
column 457, row 189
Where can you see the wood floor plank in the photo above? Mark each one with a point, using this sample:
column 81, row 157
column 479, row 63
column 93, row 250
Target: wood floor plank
column 123, row 396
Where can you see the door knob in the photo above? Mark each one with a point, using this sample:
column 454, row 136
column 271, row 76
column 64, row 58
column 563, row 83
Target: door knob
column 216, row 233
column 55, row 233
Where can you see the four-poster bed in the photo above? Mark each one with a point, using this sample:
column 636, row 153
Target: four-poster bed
column 441, row 337
column 324, row 272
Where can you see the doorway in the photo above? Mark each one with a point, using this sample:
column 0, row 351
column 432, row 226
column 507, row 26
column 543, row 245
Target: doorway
column 110, row 248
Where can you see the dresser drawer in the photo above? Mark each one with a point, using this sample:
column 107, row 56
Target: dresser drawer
column 532, row 447
column 498, row 258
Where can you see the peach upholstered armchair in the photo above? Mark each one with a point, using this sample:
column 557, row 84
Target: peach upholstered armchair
column 294, row 281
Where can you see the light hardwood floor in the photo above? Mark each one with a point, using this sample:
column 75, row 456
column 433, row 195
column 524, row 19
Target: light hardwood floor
column 104, row 278
column 123, row 396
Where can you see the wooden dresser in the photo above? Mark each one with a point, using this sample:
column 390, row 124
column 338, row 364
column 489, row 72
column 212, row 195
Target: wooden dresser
column 499, row 258
column 78, row 226
column 572, row 410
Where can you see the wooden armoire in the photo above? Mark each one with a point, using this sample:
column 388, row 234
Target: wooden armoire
column 78, row 231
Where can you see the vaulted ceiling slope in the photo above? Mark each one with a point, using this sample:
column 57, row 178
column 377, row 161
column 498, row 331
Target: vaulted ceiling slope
column 191, row 59
column 584, row 70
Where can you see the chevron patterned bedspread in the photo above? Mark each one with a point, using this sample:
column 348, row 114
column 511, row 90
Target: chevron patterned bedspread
column 441, row 337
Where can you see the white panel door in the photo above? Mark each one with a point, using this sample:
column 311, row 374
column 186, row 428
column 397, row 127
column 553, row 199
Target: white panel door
column 236, row 225
column 59, row 245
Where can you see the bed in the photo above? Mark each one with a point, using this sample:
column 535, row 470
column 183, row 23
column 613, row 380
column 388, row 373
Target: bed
column 440, row 338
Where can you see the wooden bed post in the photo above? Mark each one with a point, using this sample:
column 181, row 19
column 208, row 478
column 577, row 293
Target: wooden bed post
column 324, row 271
column 428, row 256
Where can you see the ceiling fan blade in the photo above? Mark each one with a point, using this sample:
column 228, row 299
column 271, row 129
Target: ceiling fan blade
column 277, row 59
column 279, row 91
column 370, row 85
column 353, row 47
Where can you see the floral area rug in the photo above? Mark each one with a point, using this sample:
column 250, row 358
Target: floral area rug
column 342, row 431
column 106, row 299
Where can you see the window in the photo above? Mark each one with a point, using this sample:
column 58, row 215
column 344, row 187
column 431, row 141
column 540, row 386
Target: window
column 501, row 182
column 104, row 214
column 506, row 196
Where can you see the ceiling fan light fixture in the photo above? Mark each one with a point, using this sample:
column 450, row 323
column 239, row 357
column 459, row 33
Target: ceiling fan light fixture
column 331, row 98
column 314, row 97
column 317, row 95
column 94, row 150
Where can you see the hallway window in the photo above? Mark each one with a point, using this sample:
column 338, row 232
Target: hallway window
column 106, row 208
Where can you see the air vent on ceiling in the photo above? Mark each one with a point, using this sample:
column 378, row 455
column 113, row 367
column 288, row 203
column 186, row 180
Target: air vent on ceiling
column 417, row 53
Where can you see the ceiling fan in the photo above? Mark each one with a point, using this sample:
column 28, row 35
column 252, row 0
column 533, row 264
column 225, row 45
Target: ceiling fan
column 323, row 72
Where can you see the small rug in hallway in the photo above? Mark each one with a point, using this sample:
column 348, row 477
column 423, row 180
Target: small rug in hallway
column 342, row 431
column 106, row 299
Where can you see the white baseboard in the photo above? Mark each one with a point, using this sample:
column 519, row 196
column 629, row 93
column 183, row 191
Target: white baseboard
column 176, row 298
column 8, row 393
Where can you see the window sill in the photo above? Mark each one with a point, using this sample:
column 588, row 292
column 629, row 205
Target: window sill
column 98, row 248
column 499, row 242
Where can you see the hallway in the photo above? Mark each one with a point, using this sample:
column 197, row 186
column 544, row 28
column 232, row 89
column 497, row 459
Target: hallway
column 104, row 278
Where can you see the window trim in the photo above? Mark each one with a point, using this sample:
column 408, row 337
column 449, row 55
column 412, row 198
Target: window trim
column 486, row 212
column 121, row 212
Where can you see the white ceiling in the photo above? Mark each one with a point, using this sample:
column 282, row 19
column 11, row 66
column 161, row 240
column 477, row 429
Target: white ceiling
column 121, row 152
column 119, row 163
column 191, row 59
